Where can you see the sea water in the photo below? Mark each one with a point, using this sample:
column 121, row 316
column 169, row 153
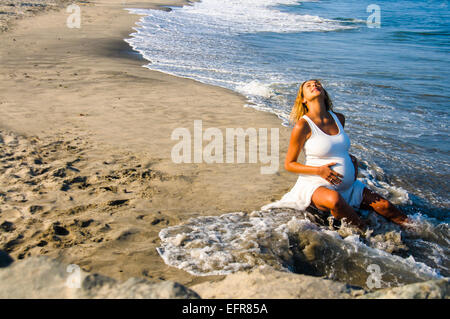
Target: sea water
column 390, row 80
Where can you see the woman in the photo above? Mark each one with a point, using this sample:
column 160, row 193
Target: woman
column 328, row 178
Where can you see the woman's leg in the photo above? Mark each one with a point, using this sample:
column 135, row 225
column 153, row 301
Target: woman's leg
column 331, row 201
column 374, row 201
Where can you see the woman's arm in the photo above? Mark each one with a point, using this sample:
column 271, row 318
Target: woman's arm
column 300, row 133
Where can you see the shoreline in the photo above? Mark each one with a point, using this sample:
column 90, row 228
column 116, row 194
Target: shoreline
column 82, row 97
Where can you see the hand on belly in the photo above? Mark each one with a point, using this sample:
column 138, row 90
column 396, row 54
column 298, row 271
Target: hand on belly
column 340, row 167
column 347, row 170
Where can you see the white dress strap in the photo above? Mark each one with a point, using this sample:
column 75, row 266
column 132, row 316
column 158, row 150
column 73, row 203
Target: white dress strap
column 312, row 125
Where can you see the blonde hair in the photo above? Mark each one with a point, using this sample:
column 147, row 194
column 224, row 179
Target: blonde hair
column 299, row 109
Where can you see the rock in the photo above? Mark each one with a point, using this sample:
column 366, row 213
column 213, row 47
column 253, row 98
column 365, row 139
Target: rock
column 42, row 277
column 267, row 283
column 140, row 288
column 432, row 289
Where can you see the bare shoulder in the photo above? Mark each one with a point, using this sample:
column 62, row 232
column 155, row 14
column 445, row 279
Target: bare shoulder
column 341, row 118
column 301, row 128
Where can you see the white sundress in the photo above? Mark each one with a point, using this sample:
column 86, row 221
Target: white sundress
column 321, row 149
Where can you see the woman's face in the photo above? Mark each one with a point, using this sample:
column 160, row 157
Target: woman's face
column 311, row 90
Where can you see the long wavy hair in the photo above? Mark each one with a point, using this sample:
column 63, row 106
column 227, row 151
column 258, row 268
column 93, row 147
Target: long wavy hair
column 299, row 109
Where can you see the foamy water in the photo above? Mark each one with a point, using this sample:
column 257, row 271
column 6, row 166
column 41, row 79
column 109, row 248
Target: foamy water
column 305, row 243
column 203, row 42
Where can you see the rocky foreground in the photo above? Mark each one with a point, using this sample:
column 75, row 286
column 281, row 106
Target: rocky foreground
column 42, row 277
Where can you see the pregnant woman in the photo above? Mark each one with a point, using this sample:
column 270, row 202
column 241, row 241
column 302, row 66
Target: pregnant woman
column 327, row 180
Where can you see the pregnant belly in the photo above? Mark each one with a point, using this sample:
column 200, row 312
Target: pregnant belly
column 343, row 166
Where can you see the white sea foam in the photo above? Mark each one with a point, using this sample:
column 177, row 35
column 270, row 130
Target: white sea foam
column 257, row 16
column 217, row 245
column 202, row 41
column 373, row 176
column 255, row 87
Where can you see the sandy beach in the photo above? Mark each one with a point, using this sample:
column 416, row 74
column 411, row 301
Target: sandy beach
column 85, row 132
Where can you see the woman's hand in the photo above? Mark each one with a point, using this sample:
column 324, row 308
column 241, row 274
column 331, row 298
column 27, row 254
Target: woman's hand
column 329, row 175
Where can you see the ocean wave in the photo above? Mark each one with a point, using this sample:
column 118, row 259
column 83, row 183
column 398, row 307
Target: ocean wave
column 240, row 16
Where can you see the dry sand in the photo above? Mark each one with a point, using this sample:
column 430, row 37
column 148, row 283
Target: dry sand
column 85, row 146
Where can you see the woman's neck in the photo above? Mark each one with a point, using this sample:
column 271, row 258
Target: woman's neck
column 317, row 109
